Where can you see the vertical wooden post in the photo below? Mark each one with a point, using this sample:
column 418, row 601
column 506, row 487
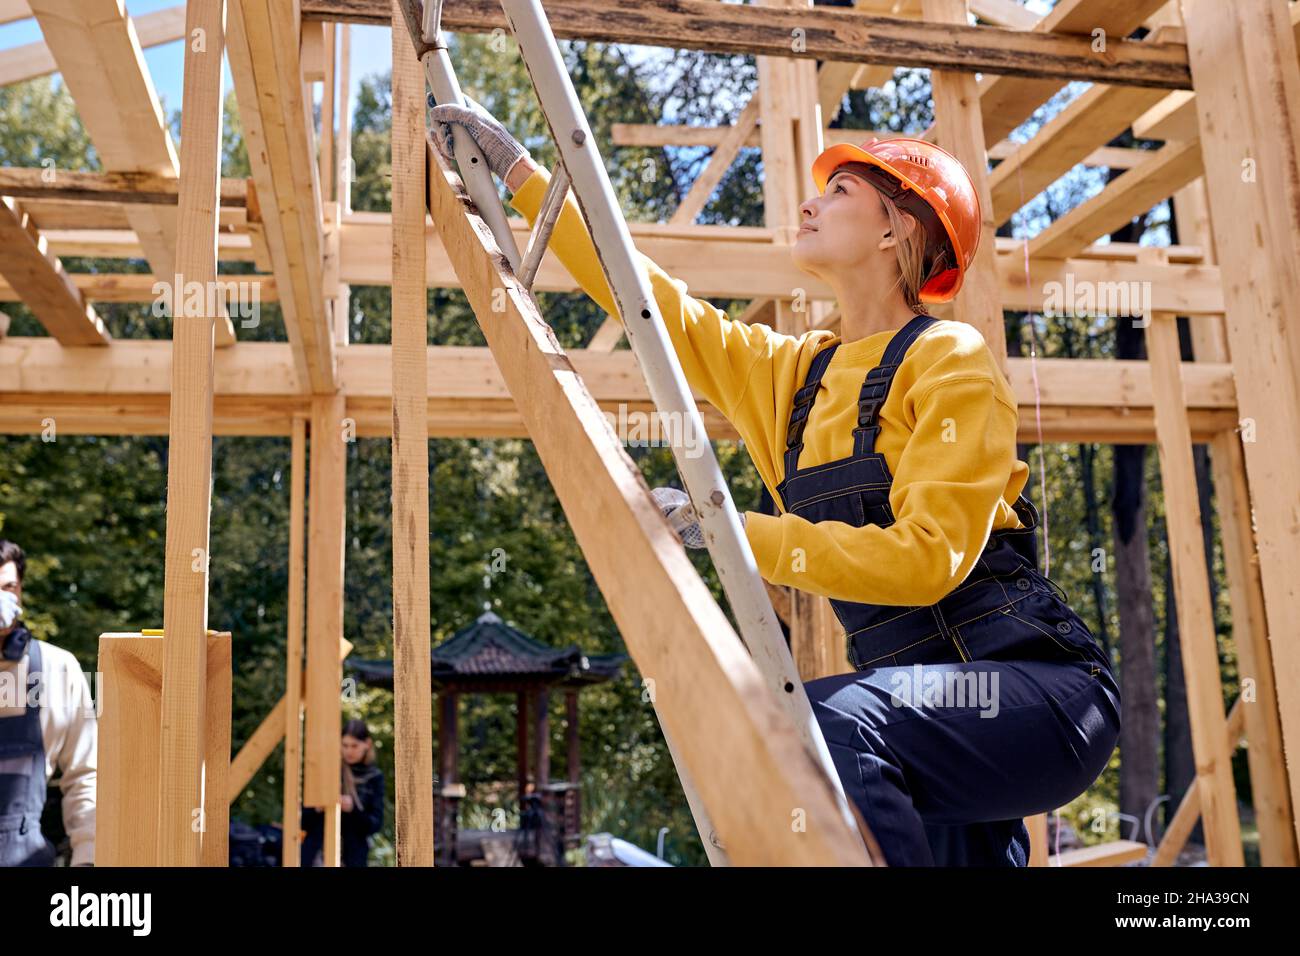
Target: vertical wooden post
column 130, row 740
column 325, row 157
column 1268, row 784
column 1199, row 642
column 325, row 544
column 959, row 128
column 189, row 462
column 573, row 763
column 542, row 740
column 412, row 700
column 444, row 840
column 521, row 744
column 126, row 807
column 292, row 825
column 215, row 849
column 344, row 180
column 1243, row 60
column 791, row 135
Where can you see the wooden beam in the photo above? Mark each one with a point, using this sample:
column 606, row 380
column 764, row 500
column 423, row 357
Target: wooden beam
column 1098, row 115
column 830, row 34
column 1198, row 638
column 97, row 49
column 11, row 10
column 740, row 268
column 142, row 287
column 39, row 280
column 275, row 111
column 126, row 807
column 130, row 733
column 263, row 372
column 218, row 700
column 189, row 460
column 412, row 691
column 1005, row 13
column 291, row 825
column 1268, row 783
column 960, row 130
column 257, row 748
column 1132, row 194
column 671, row 134
column 121, row 187
column 31, row 60
column 1248, row 106
column 1006, row 102
column 715, row 169
column 702, row 676
column 325, row 550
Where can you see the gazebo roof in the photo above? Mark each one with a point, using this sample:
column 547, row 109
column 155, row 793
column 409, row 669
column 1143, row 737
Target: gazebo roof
column 491, row 652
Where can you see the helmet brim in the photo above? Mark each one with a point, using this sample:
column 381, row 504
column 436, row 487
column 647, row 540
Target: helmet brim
column 940, row 288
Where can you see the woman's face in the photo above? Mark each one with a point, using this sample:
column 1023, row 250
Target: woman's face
column 842, row 230
column 354, row 751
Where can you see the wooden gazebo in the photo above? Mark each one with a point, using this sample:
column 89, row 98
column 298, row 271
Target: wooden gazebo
column 491, row 657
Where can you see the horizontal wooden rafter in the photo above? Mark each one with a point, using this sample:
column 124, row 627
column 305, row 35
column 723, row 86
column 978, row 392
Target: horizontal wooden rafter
column 122, row 187
column 828, row 34
column 1078, row 396
column 746, row 269
column 143, row 287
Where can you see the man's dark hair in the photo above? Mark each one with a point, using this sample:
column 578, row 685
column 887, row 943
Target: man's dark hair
column 11, row 552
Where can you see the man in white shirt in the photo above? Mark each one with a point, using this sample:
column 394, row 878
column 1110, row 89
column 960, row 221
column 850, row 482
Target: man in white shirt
column 47, row 723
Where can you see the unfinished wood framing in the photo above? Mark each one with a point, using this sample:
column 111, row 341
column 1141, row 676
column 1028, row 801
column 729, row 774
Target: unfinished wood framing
column 189, row 459
column 325, row 548
column 1220, row 93
column 130, row 744
column 412, row 692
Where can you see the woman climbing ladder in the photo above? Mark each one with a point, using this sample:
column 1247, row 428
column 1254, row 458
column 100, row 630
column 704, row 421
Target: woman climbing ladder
column 978, row 696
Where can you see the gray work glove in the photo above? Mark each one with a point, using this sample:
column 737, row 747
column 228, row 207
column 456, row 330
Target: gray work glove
column 677, row 508
column 500, row 149
column 10, row 610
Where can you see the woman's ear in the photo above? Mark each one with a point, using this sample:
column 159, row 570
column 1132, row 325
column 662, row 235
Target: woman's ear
column 887, row 241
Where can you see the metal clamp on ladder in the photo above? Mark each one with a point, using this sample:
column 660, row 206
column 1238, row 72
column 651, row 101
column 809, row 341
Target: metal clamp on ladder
column 582, row 167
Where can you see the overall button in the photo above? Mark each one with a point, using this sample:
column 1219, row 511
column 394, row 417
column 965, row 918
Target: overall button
column 1023, row 584
column 1064, row 627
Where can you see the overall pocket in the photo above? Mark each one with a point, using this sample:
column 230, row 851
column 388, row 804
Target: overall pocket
column 1062, row 634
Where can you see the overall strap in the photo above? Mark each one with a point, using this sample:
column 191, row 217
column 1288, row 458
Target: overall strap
column 875, row 388
column 803, row 402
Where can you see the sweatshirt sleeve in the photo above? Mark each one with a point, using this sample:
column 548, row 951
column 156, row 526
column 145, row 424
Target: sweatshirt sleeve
column 77, row 768
column 947, row 484
column 716, row 352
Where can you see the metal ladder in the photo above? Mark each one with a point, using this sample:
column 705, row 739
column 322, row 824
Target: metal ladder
column 581, row 167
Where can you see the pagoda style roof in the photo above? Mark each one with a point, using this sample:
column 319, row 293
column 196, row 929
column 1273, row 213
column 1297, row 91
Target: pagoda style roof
column 489, row 654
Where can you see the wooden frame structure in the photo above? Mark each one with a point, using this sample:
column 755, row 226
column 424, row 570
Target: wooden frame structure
column 1219, row 84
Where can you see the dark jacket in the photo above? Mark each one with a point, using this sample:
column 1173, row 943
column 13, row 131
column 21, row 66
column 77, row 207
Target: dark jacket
column 355, row 825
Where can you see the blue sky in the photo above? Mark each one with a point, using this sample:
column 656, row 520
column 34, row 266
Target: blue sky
column 371, row 52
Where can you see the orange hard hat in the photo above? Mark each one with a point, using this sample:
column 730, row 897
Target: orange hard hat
column 932, row 185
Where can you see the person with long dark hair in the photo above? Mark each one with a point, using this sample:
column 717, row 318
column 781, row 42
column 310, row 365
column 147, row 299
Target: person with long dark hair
column 361, row 802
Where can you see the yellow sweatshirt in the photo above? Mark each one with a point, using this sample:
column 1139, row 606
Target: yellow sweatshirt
column 948, row 433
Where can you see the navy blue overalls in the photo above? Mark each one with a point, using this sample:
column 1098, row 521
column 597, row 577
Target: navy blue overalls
column 22, row 780
column 1030, row 714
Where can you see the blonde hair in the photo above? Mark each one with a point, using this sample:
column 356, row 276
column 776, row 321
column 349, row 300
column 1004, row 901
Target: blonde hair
column 916, row 262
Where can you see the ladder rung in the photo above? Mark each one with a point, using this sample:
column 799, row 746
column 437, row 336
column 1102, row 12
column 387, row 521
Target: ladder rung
column 552, row 203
